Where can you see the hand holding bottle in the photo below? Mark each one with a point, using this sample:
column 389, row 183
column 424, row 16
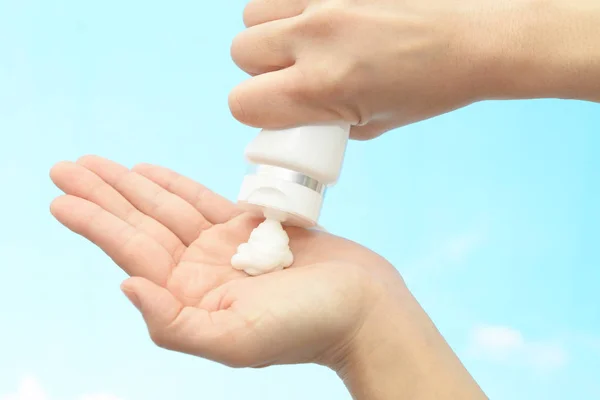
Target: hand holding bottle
column 388, row 63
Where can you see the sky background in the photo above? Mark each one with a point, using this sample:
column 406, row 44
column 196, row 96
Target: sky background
column 490, row 213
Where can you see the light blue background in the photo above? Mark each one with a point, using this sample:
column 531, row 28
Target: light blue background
column 491, row 212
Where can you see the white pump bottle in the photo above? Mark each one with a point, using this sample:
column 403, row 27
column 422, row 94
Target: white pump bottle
column 291, row 169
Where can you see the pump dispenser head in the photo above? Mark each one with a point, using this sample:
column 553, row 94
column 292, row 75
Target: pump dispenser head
column 283, row 194
column 291, row 170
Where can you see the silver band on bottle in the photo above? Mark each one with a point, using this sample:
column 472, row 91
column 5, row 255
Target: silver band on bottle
column 289, row 175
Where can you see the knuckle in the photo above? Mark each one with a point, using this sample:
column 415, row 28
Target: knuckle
column 238, row 105
column 249, row 16
column 322, row 22
column 257, row 52
column 246, row 18
column 238, row 49
column 85, row 159
column 139, row 167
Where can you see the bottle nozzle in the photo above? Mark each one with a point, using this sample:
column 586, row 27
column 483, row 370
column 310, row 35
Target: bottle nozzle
column 291, row 197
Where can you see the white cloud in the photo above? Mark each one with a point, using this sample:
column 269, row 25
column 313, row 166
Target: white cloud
column 496, row 342
column 30, row 389
column 546, row 355
column 460, row 247
column 507, row 345
column 446, row 254
column 99, row 397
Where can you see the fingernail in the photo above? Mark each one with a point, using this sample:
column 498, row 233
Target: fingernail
column 132, row 298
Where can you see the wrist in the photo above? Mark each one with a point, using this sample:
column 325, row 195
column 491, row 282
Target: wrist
column 399, row 353
column 528, row 49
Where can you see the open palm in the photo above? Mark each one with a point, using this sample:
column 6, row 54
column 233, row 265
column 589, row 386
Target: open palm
column 175, row 238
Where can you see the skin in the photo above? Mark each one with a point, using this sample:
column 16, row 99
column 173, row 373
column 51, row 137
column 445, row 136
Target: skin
column 384, row 64
column 339, row 305
column 379, row 64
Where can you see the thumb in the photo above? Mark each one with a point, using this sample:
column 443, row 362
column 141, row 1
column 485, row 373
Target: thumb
column 184, row 329
column 157, row 305
column 280, row 99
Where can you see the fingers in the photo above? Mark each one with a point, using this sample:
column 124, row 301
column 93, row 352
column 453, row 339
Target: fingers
column 216, row 209
column 78, row 181
column 157, row 305
column 264, row 48
column 261, row 11
column 295, row 81
column 151, row 199
column 134, row 251
column 189, row 330
column 279, row 99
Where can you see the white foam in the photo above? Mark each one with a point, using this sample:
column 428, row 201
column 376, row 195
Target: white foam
column 267, row 250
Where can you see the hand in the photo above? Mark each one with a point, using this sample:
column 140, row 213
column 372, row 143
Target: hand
column 388, row 63
column 175, row 238
column 377, row 63
column 339, row 304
